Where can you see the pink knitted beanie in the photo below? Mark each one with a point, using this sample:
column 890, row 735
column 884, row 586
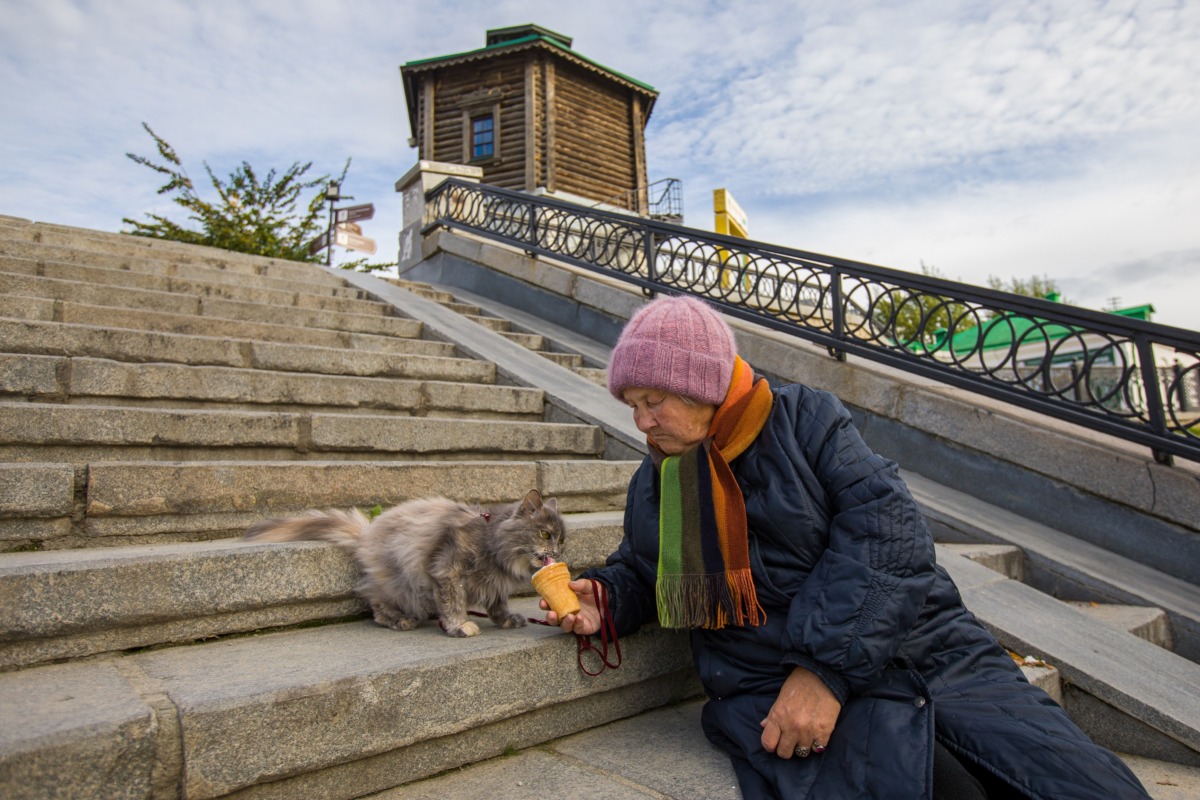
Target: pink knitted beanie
column 677, row 344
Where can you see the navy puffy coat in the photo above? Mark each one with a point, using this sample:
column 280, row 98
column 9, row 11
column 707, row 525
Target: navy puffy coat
column 844, row 566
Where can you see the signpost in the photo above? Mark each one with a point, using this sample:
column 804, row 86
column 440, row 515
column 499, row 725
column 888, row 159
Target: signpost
column 343, row 229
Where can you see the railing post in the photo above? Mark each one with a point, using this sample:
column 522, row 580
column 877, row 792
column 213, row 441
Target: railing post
column 839, row 312
column 533, row 218
column 1152, row 393
column 1180, row 389
column 650, row 248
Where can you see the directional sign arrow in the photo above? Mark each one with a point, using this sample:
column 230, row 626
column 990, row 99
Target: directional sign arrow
column 353, row 241
column 354, row 213
column 320, row 243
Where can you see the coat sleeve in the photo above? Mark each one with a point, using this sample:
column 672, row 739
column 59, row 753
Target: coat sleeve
column 628, row 574
column 868, row 586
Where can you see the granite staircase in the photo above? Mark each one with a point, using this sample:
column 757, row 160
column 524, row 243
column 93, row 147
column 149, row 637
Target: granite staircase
column 156, row 399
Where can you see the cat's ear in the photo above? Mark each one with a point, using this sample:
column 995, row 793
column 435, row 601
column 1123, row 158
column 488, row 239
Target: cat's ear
column 532, row 502
column 552, row 504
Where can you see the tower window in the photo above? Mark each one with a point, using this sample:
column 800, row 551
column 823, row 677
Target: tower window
column 483, row 137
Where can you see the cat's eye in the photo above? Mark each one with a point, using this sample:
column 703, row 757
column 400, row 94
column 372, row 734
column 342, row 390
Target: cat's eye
column 545, row 534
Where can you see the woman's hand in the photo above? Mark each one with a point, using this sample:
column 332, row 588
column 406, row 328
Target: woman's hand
column 587, row 621
column 804, row 715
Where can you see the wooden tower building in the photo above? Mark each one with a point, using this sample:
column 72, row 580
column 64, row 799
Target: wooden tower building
column 535, row 115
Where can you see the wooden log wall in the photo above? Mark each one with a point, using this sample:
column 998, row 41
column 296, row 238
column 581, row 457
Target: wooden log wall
column 594, row 138
column 479, row 88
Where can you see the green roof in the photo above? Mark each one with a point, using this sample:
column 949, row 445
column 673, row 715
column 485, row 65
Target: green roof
column 502, row 38
column 1003, row 330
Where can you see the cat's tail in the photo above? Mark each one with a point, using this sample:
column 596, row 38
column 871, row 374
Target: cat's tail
column 344, row 528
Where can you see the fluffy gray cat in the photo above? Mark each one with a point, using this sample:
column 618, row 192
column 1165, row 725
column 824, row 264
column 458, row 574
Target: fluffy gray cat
column 435, row 557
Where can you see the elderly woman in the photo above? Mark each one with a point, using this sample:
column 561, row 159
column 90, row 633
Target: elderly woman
column 837, row 656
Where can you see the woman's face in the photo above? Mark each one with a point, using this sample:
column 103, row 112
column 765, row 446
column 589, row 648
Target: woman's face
column 676, row 425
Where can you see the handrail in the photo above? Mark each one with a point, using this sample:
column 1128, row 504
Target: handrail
column 1125, row 377
column 667, row 205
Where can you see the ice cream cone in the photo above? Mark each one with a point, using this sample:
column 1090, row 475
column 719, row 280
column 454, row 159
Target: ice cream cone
column 551, row 583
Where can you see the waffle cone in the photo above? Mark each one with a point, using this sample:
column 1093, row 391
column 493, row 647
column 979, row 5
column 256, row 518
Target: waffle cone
column 551, row 583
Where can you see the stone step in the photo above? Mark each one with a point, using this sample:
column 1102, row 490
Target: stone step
column 491, row 323
column 99, row 381
column 46, row 310
column 462, row 309
column 568, row 360
column 596, row 375
column 426, row 290
column 1126, row 693
column 176, row 300
column 527, row 340
column 337, row 711
column 174, row 593
column 166, row 276
column 34, row 306
column 1060, row 565
column 1006, row 559
column 1151, row 624
column 53, row 506
column 80, row 434
column 98, row 247
column 64, row 339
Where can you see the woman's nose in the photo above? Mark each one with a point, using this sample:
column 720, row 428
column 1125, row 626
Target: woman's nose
column 642, row 420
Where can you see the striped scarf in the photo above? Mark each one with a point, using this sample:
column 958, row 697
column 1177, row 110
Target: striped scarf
column 704, row 576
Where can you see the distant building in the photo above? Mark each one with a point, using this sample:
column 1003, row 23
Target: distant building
column 1035, row 338
column 1074, row 363
column 536, row 116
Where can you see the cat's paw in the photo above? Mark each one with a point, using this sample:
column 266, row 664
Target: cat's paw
column 404, row 624
column 510, row 621
column 468, row 628
column 396, row 622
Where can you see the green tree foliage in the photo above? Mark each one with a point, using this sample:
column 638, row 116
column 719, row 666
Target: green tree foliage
column 366, row 265
column 1040, row 286
column 250, row 215
column 920, row 320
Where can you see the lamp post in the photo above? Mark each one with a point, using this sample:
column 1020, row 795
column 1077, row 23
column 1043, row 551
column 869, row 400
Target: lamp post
column 333, row 193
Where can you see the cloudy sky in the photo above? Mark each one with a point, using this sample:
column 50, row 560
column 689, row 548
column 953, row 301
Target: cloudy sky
column 1007, row 139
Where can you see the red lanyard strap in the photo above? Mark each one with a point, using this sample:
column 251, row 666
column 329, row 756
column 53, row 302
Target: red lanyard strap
column 608, row 633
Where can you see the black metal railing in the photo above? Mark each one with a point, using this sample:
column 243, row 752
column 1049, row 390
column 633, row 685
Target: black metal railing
column 1121, row 376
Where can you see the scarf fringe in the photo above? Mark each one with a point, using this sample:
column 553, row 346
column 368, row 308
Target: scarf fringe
column 747, row 610
column 708, row 601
